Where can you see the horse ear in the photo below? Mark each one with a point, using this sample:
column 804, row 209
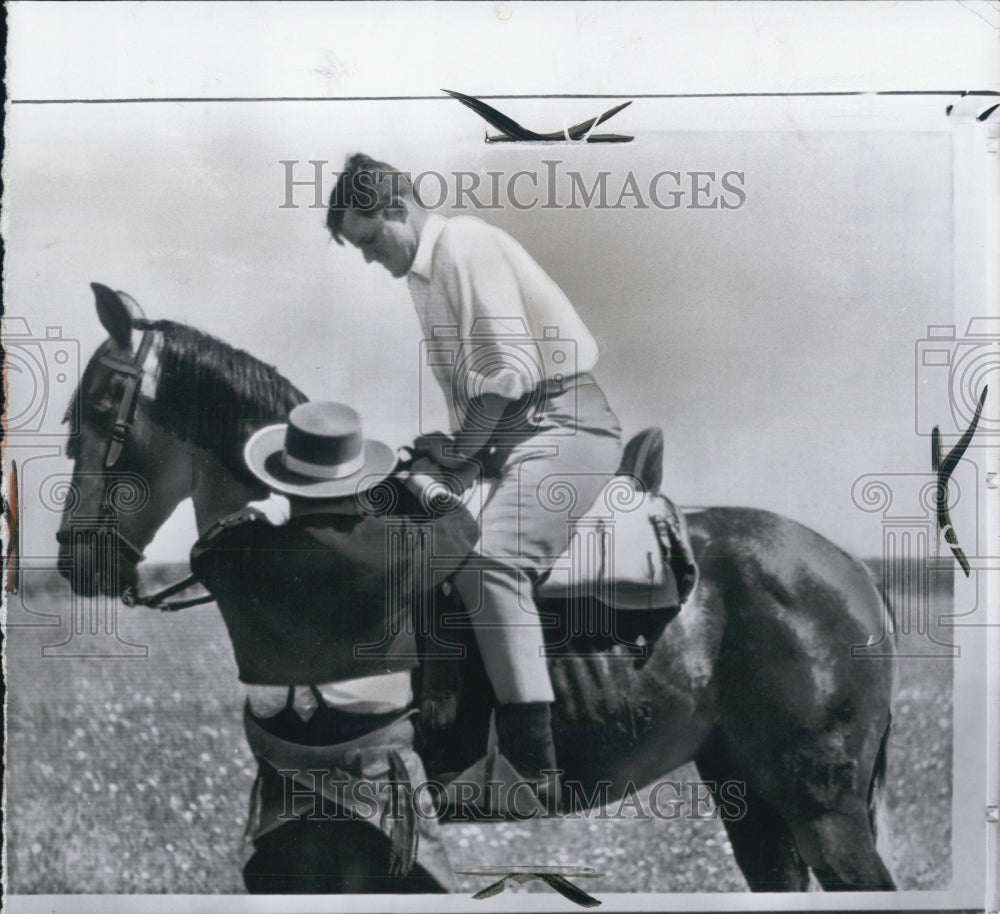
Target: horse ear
column 133, row 306
column 115, row 311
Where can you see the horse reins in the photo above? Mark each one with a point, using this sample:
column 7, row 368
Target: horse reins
column 159, row 600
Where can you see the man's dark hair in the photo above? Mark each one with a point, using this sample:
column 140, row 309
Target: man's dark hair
column 367, row 186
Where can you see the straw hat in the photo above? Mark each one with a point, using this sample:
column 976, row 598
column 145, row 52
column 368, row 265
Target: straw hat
column 320, row 452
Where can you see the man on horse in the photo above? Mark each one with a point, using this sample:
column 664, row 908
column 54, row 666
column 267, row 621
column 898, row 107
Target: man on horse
column 518, row 405
column 327, row 666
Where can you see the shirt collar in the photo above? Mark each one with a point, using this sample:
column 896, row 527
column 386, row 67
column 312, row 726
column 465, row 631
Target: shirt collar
column 425, row 248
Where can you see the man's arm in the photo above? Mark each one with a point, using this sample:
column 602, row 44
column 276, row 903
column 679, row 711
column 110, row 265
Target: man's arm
column 454, row 451
column 499, row 362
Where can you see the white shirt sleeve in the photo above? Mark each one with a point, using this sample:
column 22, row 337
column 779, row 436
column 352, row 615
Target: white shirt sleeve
column 516, row 325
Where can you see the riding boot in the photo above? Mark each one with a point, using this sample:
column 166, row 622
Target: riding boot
column 524, row 736
column 517, row 779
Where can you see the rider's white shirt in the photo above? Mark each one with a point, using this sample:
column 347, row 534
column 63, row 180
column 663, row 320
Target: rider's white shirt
column 496, row 321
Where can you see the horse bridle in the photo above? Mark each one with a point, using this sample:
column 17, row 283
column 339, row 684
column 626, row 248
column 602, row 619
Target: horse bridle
column 134, row 370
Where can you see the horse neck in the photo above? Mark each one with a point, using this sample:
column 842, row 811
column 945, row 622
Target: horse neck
column 214, row 492
column 214, row 489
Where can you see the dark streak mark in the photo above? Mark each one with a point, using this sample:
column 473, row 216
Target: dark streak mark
column 944, row 469
column 513, row 132
column 552, row 876
column 11, row 512
column 963, row 93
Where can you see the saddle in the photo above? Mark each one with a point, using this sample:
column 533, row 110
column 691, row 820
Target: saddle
column 630, row 550
column 626, row 572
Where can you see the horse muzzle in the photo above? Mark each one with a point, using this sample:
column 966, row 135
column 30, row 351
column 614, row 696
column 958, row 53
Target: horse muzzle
column 97, row 561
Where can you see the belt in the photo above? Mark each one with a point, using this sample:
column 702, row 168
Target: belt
column 281, row 752
column 519, row 415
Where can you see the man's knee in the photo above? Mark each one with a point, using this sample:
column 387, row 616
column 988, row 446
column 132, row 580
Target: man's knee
column 496, row 586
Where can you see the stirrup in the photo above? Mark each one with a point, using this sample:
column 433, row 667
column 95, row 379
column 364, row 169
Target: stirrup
column 493, row 789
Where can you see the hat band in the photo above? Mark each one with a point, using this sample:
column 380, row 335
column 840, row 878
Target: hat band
column 324, row 470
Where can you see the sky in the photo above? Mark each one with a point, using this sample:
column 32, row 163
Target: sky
column 774, row 342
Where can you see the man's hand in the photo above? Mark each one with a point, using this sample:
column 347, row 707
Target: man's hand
column 424, row 466
column 427, row 470
column 440, row 448
column 426, row 478
column 275, row 508
column 423, row 479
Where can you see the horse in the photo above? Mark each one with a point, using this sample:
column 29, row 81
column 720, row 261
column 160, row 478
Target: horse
column 755, row 680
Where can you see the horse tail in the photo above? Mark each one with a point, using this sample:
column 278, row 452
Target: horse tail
column 879, row 769
column 877, row 784
column 890, row 613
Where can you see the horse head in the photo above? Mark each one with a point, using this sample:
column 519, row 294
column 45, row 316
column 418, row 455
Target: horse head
column 121, row 491
column 160, row 415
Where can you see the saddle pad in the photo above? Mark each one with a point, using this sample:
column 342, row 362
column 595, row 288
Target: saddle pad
column 618, row 552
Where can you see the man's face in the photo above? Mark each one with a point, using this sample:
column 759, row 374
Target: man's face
column 388, row 238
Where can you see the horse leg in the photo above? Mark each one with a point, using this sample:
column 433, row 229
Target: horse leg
column 775, row 852
column 762, row 842
column 840, row 848
column 840, row 843
column 447, row 750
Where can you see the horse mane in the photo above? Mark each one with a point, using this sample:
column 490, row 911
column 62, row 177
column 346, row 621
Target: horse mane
column 213, row 395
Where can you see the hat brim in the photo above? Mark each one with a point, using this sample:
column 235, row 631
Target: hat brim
column 262, row 455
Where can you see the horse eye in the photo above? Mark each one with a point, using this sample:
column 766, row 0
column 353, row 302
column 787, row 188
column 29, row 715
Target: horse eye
column 101, row 412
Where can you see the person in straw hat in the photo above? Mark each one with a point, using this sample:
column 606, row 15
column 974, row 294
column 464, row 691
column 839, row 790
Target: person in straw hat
column 326, row 665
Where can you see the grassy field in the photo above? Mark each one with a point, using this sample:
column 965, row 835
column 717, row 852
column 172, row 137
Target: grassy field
column 132, row 774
